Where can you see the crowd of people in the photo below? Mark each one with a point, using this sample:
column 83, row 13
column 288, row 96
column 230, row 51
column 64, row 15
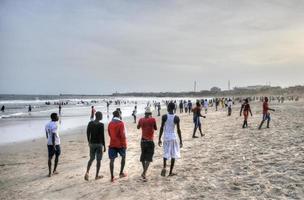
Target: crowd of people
column 170, row 136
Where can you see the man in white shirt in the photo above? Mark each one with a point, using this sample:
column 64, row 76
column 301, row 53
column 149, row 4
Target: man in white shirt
column 53, row 142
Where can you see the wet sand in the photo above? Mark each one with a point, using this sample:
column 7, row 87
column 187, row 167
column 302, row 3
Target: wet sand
column 227, row 163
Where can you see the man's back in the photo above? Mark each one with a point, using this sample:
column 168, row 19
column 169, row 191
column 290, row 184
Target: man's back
column 95, row 132
column 148, row 126
column 117, row 135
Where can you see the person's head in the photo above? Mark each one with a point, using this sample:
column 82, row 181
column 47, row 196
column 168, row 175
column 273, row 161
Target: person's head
column 116, row 113
column 246, row 100
column 266, row 99
column 98, row 116
column 54, row 117
column 171, row 107
column 92, row 107
column 148, row 112
column 198, row 104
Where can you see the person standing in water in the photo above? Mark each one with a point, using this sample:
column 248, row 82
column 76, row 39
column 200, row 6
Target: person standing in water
column 30, row 108
column 196, row 119
column 59, row 108
column 266, row 113
column 53, row 143
column 246, row 110
column 148, row 126
column 171, row 147
column 3, row 108
column 96, row 140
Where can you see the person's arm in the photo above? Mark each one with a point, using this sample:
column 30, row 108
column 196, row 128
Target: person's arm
column 122, row 132
column 88, row 133
column 155, row 126
column 179, row 132
column 138, row 125
column 164, row 119
column 46, row 133
column 250, row 110
column 200, row 114
column 271, row 109
column 241, row 109
column 103, row 138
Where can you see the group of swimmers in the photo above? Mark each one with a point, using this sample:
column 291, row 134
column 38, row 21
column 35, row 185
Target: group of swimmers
column 169, row 139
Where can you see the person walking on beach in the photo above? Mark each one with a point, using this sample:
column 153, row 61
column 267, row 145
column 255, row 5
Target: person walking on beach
column 171, row 147
column 53, row 143
column 3, row 108
column 148, row 126
column 134, row 114
column 229, row 107
column 246, row 110
column 93, row 111
column 189, row 106
column 118, row 143
column 96, row 140
column 59, row 108
column 158, row 109
column 181, row 106
column 30, row 108
column 206, row 104
column 196, row 119
column 266, row 113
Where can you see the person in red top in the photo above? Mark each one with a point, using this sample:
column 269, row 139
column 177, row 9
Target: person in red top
column 148, row 126
column 266, row 114
column 118, row 143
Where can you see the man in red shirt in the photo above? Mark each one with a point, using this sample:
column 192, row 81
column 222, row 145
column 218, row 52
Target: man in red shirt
column 118, row 143
column 266, row 114
column 148, row 126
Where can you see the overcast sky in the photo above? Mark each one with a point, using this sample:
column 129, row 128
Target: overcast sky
column 98, row 47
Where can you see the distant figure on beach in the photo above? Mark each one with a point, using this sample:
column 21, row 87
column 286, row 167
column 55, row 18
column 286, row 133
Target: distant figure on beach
column 30, row 108
column 266, row 113
column 181, row 107
column 246, row 110
column 158, row 109
column 53, row 142
column 93, row 111
column 118, row 143
column 229, row 107
column 196, row 119
column 206, row 104
column 3, row 108
column 134, row 114
column 189, row 106
column 217, row 103
column 171, row 147
column 96, row 140
column 148, row 126
column 59, row 108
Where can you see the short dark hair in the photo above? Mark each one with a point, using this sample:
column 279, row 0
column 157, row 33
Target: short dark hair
column 116, row 113
column 54, row 116
column 98, row 115
column 171, row 106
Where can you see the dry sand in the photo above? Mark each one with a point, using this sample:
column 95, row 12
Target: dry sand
column 228, row 163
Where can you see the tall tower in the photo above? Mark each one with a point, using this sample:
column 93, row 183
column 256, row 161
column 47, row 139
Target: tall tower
column 228, row 84
column 194, row 86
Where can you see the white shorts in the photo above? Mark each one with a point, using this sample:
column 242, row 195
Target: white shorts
column 171, row 149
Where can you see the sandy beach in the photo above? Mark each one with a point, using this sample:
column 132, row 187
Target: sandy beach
column 227, row 163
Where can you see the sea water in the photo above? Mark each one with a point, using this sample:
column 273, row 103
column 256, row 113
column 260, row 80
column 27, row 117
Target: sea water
column 17, row 124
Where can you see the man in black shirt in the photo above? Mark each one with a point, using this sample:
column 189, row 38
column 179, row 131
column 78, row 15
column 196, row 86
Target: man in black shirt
column 96, row 140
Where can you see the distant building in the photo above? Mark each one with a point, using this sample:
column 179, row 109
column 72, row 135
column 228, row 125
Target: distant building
column 253, row 87
column 215, row 89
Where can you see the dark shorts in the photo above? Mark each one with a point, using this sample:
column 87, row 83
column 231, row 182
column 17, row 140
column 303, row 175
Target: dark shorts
column 196, row 121
column 96, row 151
column 52, row 151
column 113, row 152
column 147, row 150
column 266, row 117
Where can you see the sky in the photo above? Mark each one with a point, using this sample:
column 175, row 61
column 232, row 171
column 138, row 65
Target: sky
column 102, row 47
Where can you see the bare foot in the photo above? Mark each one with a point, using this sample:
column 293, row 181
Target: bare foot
column 55, row 172
column 122, row 175
column 98, row 177
column 163, row 172
column 50, row 175
column 172, row 174
column 86, row 177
